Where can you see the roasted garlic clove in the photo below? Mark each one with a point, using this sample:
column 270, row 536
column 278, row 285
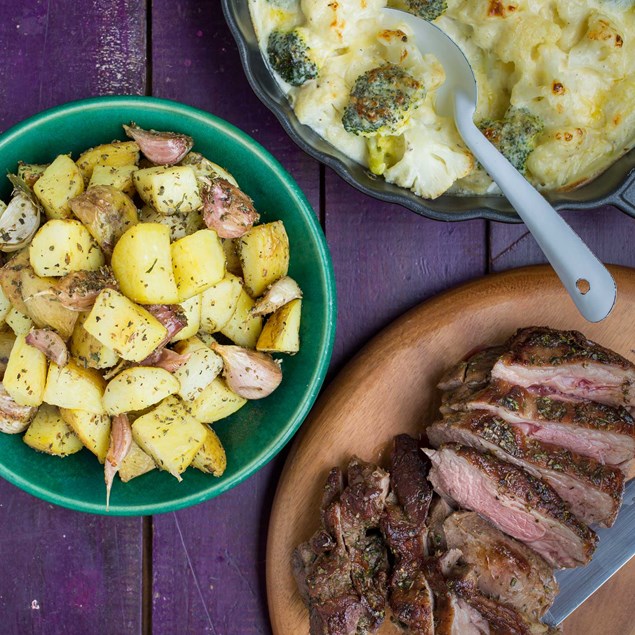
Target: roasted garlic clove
column 14, row 418
column 21, row 219
column 120, row 442
column 161, row 148
column 78, row 290
column 279, row 294
column 226, row 208
column 250, row 374
column 50, row 343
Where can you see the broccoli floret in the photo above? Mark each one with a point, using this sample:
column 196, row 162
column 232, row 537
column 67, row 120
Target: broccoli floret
column 515, row 135
column 381, row 101
column 291, row 57
column 384, row 151
column 426, row 9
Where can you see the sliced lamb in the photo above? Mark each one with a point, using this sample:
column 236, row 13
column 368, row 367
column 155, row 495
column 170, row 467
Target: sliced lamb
column 404, row 528
column 593, row 491
column 505, row 568
column 440, row 509
column 469, row 375
column 514, row 501
column 567, row 362
column 501, row 619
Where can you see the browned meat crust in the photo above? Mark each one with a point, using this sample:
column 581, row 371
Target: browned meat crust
column 517, row 493
column 505, row 568
column 593, row 491
column 568, row 363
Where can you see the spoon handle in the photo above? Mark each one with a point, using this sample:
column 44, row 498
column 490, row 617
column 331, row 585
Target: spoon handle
column 585, row 278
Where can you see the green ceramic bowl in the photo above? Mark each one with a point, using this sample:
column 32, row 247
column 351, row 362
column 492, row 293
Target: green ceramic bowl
column 261, row 428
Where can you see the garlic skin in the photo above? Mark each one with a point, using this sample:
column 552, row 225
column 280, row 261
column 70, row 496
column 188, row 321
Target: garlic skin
column 14, row 418
column 250, row 374
column 77, row 291
column 49, row 343
column 161, row 148
column 120, row 442
column 278, row 294
column 226, row 209
column 21, row 219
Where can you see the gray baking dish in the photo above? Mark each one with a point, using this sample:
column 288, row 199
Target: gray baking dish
column 616, row 186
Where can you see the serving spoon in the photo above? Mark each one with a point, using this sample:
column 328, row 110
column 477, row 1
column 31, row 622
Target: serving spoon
column 585, row 278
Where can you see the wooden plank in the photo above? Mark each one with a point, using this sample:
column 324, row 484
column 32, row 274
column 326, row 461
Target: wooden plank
column 60, row 51
column 388, row 259
column 208, row 561
column 66, row 572
column 608, row 232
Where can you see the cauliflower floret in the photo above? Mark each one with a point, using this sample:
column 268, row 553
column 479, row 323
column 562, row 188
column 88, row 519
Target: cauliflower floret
column 339, row 20
column 434, row 159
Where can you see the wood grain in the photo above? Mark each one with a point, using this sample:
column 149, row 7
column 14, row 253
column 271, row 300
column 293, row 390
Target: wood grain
column 63, row 571
column 389, row 388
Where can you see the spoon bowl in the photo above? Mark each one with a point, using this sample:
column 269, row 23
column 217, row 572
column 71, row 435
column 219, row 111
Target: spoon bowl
column 585, row 278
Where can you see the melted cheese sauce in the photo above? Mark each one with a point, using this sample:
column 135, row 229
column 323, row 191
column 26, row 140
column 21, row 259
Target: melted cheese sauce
column 570, row 62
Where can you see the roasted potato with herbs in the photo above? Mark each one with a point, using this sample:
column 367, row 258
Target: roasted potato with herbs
column 135, row 339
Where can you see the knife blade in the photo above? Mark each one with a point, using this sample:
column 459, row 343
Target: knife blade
column 616, row 547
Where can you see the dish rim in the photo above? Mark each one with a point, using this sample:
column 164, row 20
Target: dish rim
column 621, row 194
column 328, row 285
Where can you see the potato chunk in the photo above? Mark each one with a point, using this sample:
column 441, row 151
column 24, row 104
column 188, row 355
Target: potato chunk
column 180, row 225
column 42, row 304
column 216, row 402
column 20, row 323
column 117, row 153
column 124, row 327
column 119, row 177
column 211, row 458
column 92, row 429
column 75, row 388
column 169, row 189
column 88, row 350
column 62, row 246
column 192, row 310
column 49, row 433
column 10, row 279
column 142, row 264
column 243, row 328
column 198, row 261
column 264, row 256
column 60, row 182
column 205, row 167
column 219, row 303
column 200, row 370
column 170, row 435
column 137, row 388
column 136, row 463
column 25, row 376
column 281, row 333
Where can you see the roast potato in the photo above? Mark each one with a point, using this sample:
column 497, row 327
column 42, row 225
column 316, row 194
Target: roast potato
column 60, row 182
column 142, row 264
column 169, row 189
column 219, row 302
column 281, row 333
column 25, row 376
column 117, row 176
column 75, row 388
column 136, row 463
column 215, row 402
column 117, row 153
column 170, row 435
column 211, row 458
column 243, row 328
column 92, row 429
column 49, row 433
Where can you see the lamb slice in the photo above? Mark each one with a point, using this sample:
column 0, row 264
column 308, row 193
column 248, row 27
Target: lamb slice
column 468, row 376
column 505, row 568
column 452, row 616
column 516, row 502
column 323, row 571
column 592, row 429
column 411, row 599
column 501, row 618
column 593, row 491
column 440, row 509
column 409, row 468
column 568, row 363
column 363, row 499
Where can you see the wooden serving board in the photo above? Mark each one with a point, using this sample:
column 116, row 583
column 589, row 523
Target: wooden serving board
column 389, row 388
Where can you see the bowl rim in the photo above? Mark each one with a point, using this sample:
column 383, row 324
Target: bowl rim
column 621, row 196
column 328, row 284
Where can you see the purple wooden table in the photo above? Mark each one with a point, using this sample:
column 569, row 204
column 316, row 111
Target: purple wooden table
column 201, row 570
